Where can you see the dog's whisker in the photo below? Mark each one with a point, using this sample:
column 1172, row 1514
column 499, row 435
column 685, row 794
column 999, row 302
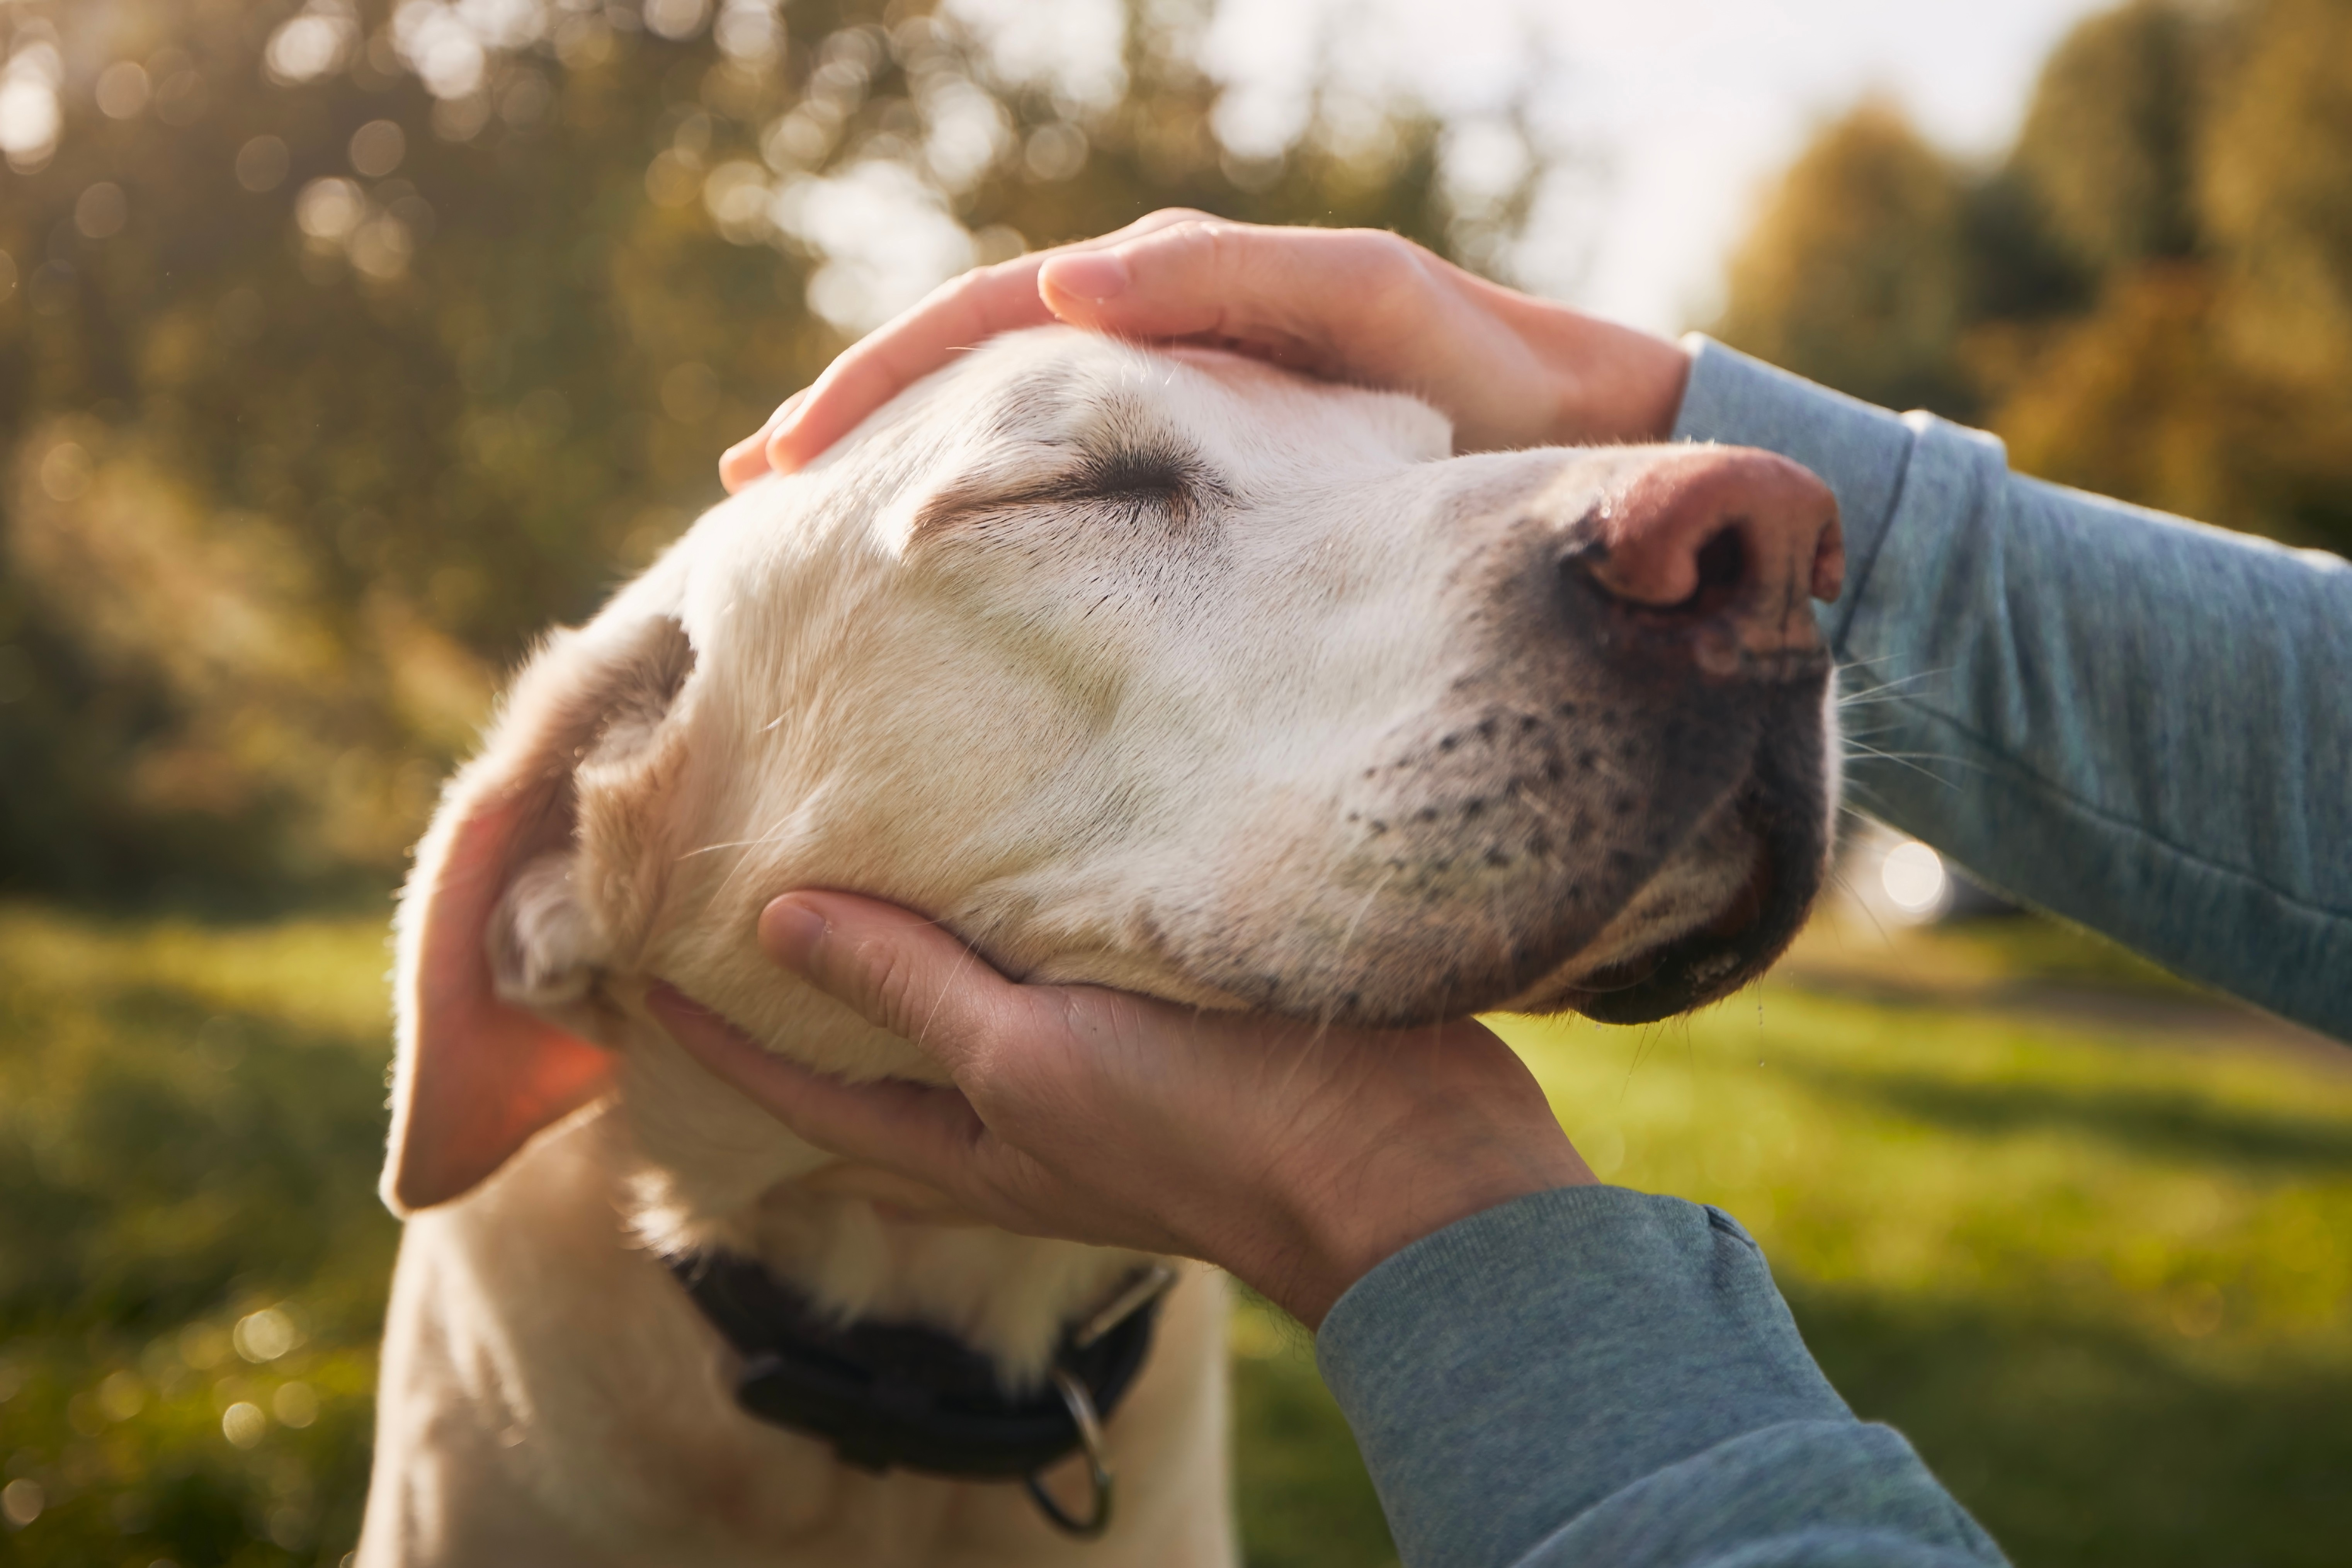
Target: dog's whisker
column 1912, row 761
column 730, row 844
column 1880, row 688
column 1877, row 694
column 1347, row 937
column 964, row 961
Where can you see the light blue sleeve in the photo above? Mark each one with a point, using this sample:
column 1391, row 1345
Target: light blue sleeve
column 1596, row 1375
column 2142, row 725
column 2136, row 723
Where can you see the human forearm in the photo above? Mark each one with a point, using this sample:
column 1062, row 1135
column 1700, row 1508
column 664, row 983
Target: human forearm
column 2135, row 722
column 1601, row 1375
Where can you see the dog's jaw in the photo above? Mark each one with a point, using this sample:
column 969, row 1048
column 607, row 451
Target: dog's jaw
column 706, row 1170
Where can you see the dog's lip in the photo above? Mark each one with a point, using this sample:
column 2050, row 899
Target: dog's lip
column 1707, row 962
column 1736, row 919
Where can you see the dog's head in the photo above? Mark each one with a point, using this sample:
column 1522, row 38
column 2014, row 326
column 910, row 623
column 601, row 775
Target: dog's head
column 1163, row 670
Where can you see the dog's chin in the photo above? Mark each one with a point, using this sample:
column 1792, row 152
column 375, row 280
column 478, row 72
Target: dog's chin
column 1694, row 934
column 1662, row 968
column 1683, row 968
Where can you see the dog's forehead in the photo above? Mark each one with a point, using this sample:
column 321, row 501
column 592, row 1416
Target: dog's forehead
column 1057, row 385
column 1009, row 419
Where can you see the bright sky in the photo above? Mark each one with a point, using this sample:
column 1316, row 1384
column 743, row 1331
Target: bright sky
column 1691, row 104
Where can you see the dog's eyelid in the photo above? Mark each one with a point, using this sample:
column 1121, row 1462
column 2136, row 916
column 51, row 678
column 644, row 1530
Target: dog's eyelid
column 1177, row 473
column 1168, row 476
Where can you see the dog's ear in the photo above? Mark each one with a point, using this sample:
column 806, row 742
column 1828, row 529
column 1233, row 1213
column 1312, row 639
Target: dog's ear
column 497, row 950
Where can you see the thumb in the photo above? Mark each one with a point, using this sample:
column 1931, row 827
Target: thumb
column 1295, row 294
column 916, row 1131
column 894, row 968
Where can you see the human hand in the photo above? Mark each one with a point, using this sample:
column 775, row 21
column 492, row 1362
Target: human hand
column 1362, row 306
column 1294, row 1156
column 966, row 309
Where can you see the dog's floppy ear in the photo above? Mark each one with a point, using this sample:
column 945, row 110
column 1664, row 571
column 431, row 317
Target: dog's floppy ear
column 498, row 951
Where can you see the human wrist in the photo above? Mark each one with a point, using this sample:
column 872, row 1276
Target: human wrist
column 1341, row 1230
column 1611, row 382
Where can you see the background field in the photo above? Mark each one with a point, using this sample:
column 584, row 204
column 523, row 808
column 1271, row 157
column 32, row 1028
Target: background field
column 2086, row 1238
column 346, row 344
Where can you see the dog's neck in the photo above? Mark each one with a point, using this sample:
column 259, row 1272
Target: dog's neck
column 704, row 1170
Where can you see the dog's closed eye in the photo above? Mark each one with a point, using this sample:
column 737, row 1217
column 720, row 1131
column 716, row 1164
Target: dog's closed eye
column 1163, row 477
column 1168, row 482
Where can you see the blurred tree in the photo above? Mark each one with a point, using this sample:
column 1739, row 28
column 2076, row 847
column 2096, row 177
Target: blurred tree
column 1855, row 272
column 2106, row 147
column 2150, row 297
column 345, row 345
column 2276, row 187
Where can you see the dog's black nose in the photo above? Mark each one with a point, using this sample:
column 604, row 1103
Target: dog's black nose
column 1728, row 544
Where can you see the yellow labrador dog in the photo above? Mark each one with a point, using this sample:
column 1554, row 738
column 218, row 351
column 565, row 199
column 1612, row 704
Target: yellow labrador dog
column 1155, row 669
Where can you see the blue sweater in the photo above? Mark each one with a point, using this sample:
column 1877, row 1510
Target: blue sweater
column 2148, row 730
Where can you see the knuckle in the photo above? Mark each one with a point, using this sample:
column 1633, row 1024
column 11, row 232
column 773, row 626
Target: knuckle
column 974, row 280
column 894, row 990
column 1170, row 217
column 991, row 1056
column 1192, row 235
column 1388, row 262
column 1209, row 252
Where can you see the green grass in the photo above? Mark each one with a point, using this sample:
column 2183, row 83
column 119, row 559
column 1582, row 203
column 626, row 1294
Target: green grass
column 2101, row 1282
column 190, row 1125
column 2091, row 1250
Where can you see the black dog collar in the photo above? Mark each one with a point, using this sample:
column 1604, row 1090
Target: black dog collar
column 899, row 1396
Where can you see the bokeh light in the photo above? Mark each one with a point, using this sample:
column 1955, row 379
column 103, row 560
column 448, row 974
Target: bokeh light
column 1915, row 882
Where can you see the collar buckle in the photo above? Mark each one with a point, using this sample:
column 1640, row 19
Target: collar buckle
column 1102, row 1481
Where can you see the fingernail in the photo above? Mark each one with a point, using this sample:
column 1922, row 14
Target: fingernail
column 790, row 932
column 1096, row 274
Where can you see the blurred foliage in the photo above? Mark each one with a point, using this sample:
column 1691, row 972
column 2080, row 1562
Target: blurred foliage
column 2150, row 296
column 345, row 345
column 191, row 1268
column 1855, row 274
column 2085, row 1243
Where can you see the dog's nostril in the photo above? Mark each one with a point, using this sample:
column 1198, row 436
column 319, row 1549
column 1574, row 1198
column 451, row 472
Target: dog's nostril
column 1718, row 548
column 1722, row 567
column 1720, row 571
column 1585, row 556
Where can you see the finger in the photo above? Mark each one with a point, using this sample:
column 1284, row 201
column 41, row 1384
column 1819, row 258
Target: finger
column 900, row 972
column 1301, row 293
column 957, row 315
column 912, row 1128
column 748, row 459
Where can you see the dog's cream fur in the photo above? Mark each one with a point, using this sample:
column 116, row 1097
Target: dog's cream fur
column 1159, row 671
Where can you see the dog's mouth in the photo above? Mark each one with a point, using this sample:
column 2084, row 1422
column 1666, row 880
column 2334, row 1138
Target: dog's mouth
column 1709, row 963
column 1713, row 911
column 1781, row 812
column 1652, row 859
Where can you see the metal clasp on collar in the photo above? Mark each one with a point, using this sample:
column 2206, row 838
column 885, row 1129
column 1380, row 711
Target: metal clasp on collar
column 1098, row 1475
column 1146, row 1288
